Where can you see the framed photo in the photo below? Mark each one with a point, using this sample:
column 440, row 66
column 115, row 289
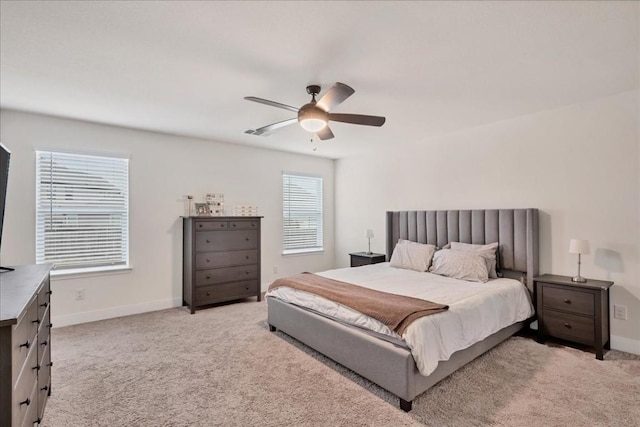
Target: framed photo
column 202, row 209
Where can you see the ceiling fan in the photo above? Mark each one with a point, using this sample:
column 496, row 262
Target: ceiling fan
column 315, row 115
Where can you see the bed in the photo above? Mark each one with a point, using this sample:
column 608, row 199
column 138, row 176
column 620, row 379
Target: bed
column 386, row 362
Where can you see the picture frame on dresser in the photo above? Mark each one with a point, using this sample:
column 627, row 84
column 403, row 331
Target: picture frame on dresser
column 202, row 209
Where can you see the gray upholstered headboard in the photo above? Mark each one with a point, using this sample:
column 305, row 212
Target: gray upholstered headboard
column 516, row 230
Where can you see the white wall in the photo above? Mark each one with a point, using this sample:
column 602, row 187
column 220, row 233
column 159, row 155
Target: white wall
column 163, row 168
column 579, row 165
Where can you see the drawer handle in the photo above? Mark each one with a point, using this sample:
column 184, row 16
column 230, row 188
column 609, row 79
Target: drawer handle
column 27, row 344
column 246, row 256
column 49, row 292
column 252, row 224
column 200, row 225
column 50, row 364
column 44, row 342
column 567, row 301
column 27, row 402
column 567, row 325
column 208, row 294
column 45, row 388
column 36, row 368
column 208, row 261
column 208, row 277
column 208, row 241
column 246, row 272
column 44, row 304
column 234, row 225
column 246, row 238
column 36, row 321
column 50, row 325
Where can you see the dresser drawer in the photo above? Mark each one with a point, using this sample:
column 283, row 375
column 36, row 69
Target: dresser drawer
column 569, row 326
column 568, row 300
column 44, row 296
column 23, row 337
column 243, row 225
column 229, row 274
column 211, row 225
column 31, row 416
column 225, row 292
column 44, row 377
column 43, row 336
column 223, row 259
column 23, row 395
column 226, row 240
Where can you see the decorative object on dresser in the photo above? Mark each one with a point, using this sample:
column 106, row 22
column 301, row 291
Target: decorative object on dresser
column 576, row 312
column 202, row 209
column 216, row 203
column 25, row 345
column 221, row 259
column 245, row 210
column 577, row 246
column 369, row 235
column 363, row 258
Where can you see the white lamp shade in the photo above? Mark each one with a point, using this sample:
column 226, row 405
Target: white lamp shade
column 369, row 234
column 577, row 246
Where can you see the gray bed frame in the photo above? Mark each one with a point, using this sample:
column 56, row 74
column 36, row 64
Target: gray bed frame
column 386, row 364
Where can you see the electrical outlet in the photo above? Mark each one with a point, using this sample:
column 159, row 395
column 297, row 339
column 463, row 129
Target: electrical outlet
column 620, row 312
column 79, row 294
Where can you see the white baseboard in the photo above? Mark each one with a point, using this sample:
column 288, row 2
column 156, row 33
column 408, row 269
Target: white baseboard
column 109, row 313
column 625, row 344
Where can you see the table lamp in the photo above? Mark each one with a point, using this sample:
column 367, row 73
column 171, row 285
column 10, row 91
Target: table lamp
column 369, row 235
column 577, row 246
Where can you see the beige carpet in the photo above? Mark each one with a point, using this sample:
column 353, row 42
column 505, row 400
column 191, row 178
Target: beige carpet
column 222, row 367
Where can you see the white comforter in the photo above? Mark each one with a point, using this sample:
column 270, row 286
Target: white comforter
column 476, row 310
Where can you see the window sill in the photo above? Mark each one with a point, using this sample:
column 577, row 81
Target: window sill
column 302, row 252
column 74, row 273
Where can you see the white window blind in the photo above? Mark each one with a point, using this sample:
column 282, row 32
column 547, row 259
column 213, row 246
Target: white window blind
column 302, row 213
column 82, row 210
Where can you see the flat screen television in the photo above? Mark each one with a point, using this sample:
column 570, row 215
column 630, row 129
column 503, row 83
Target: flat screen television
column 5, row 154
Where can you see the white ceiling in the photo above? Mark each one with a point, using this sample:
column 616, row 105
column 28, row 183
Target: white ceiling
column 429, row 67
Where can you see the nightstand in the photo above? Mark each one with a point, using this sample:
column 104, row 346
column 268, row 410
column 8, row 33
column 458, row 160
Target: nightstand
column 576, row 312
column 363, row 258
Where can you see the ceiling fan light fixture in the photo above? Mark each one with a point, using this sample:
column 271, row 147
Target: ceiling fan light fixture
column 313, row 125
column 312, row 118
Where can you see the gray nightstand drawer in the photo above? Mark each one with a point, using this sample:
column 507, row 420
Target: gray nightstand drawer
column 572, row 327
column 568, row 300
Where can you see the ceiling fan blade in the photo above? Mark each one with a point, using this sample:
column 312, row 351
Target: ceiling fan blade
column 271, row 103
column 335, row 96
column 325, row 133
column 357, row 119
column 272, row 127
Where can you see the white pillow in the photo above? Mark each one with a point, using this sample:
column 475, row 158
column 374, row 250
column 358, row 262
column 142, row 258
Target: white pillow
column 412, row 255
column 460, row 265
column 488, row 252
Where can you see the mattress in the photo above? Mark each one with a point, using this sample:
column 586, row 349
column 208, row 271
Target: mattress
column 476, row 310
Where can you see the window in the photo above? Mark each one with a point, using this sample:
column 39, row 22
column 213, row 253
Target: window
column 301, row 213
column 82, row 210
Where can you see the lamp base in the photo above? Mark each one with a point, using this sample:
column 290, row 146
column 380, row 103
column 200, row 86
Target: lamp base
column 578, row 279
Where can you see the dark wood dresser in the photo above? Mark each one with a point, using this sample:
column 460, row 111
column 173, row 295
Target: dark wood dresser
column 577, row 312
column 221, row 259
column 25, row 344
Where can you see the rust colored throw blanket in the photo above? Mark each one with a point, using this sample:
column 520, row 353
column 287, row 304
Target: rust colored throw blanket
column 395, row 311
